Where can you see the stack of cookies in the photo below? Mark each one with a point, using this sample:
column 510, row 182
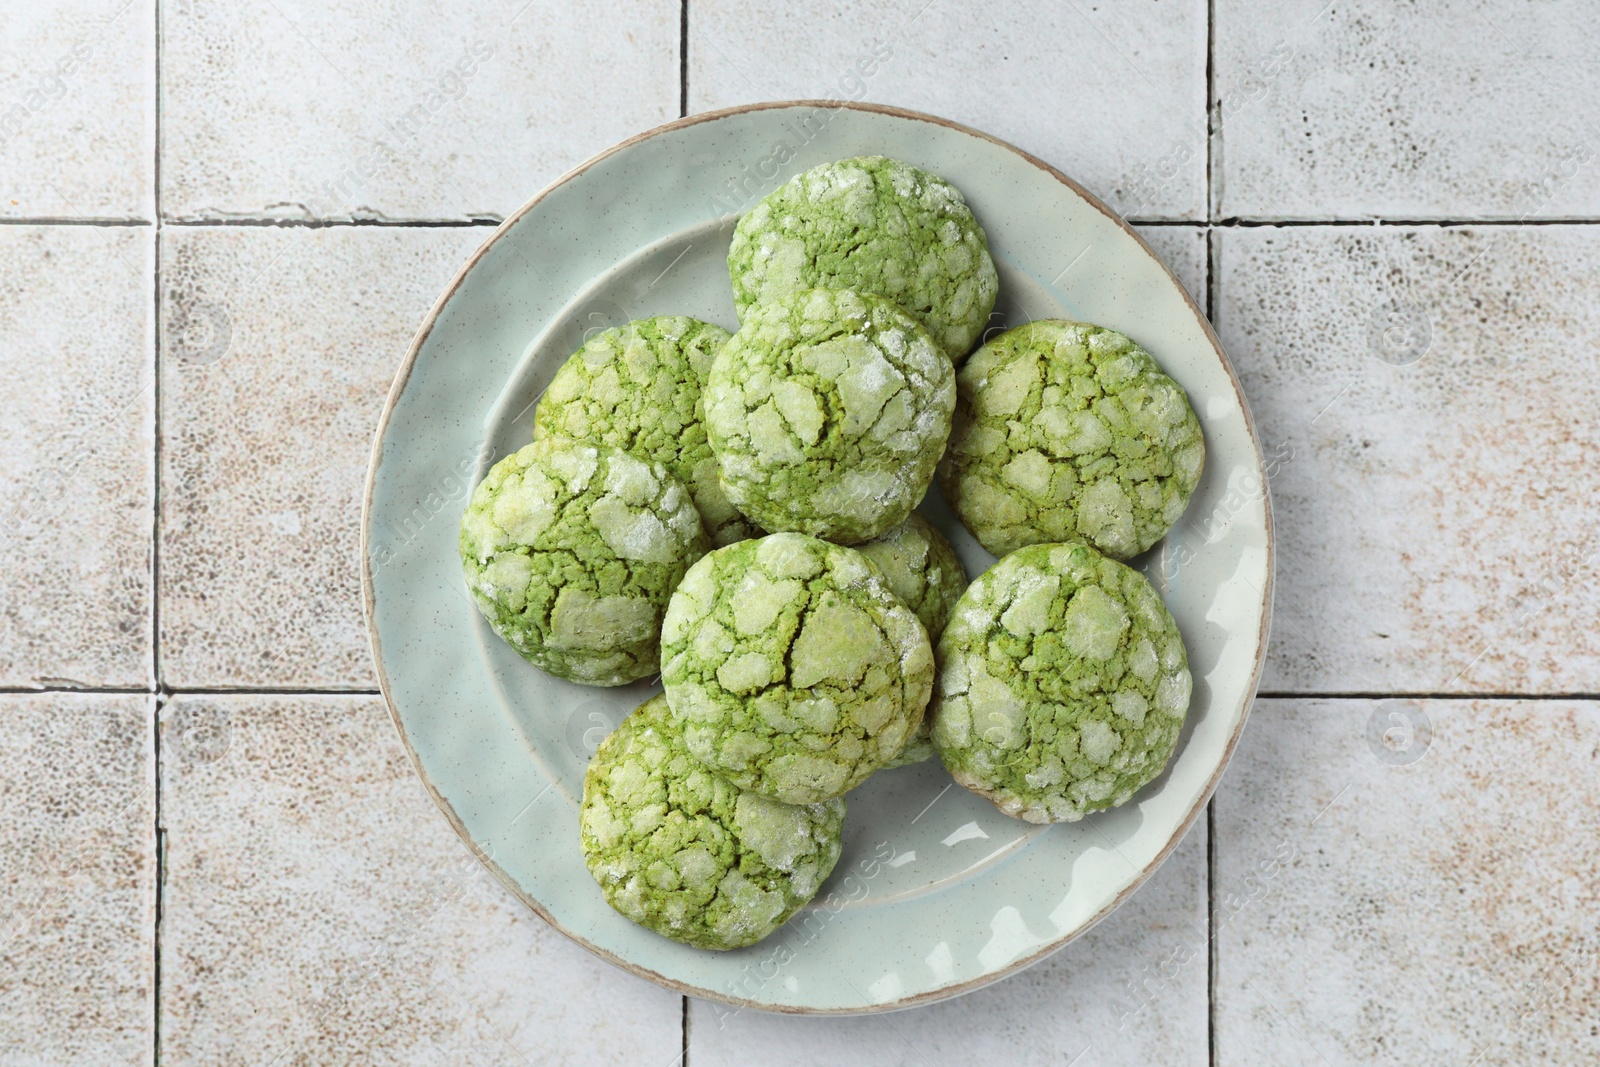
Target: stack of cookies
column 736, row 511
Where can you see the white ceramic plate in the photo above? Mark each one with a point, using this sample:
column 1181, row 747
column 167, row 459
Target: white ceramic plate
column 937, row 893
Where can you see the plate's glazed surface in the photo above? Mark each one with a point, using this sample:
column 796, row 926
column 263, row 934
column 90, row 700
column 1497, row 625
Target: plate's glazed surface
column 937, row 892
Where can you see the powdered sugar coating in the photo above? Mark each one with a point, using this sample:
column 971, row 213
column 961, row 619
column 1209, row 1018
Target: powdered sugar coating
column 923, row 570
column 680, row 850
column 1068, row 431
column 793, row 670
column 875, row 225
column 571, row 551
column 1063, row 684
column 637, row 387
column 827, row 413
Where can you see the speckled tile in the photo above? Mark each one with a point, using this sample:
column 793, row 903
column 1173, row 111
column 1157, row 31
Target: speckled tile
column 1114, row 96
column 77, row 354
column 1404, row 882
column 1183, row 250
column 1331, row 109
column 1131, row 991
column 278, row 347
column 1425, row 400
column 77, row 109
column 77, row 879
column 318, row 908
column 426, row 109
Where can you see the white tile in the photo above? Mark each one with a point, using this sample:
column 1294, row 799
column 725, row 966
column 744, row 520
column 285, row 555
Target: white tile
column 1183, row 250
column 1113, row 96
column 1405, row 882
column 318, row 908
column 423, row 109
column 1425, row 399
column 1331, row 109
column 77, row 355
column 77, row 879
column 77, row 109
column 278, row 347
column 1131, row 991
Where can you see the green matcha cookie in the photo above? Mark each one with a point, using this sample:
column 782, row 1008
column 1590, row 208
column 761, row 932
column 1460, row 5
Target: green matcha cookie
column 924, row 572
column 828, row 412
column 690, row 855
column 793, row 670
column 571, row 551
column 637, row 388
column 875, row 225
column 1066, row 431
column 1063, row 683
column 921, row 569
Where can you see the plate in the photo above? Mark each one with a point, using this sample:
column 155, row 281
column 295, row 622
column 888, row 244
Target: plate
column 936, row 893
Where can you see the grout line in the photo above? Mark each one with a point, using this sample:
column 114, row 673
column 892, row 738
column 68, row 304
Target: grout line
column 1213, row 259
column 1253, row 222
column 683, row 1048
column 155, row 492
column 116, row 690
column 1213, row 132
column 683, row 64
column 155, row 565
column 1246, row 221
column 1231, row 223
column 1211, row 935
column 57, row 220
column 284, row 691
column 1458, row 696
column 160, row 887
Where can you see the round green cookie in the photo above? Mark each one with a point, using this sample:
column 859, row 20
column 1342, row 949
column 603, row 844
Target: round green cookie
column 828, row 412
column 924, row 572
column 637, row 387
column 571, row 551
column 687, row 853
column 792, row 669
column 1066, row 431
column 921, row 569
column 875, row 225
column 1063, row 684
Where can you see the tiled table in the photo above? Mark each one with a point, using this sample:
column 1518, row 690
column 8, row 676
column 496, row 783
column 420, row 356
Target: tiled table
column 219, row 225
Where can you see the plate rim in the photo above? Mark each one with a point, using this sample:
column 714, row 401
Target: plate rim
column 369, row 602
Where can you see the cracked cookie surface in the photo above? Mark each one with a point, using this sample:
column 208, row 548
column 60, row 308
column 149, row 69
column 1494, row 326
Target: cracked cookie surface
column 1063, row 684
column 792, row 669
column 571, row 552
column 688, row 854
column 828, row 412
column 1066, row 431
column 637, row 387
column 875, row 225
column 922, row 569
